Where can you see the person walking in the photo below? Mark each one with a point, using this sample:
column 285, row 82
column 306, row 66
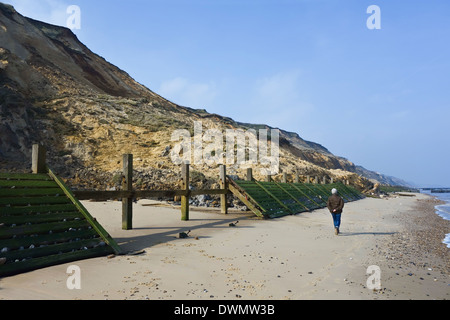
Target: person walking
column 335, row 204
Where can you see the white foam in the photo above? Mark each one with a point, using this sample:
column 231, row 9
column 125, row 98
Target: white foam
column 447, row 240
column 443, row 211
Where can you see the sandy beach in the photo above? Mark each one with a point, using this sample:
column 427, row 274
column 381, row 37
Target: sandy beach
column 290, row 258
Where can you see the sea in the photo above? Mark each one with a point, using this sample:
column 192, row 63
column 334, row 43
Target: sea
column 442, row 210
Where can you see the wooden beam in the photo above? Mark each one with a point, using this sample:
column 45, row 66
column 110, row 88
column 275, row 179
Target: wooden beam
column 143, row 194
column 274, row 197
column 292, row 196
column 238, row 193
column 186, row 196
column 302, row 192
column 25, row 176
column 32, row 264
column 101, row 195
column 127, row 185
column 249, row 174
column 38, row 159
column 93, row 222
column 208, row 191
column 223, row 185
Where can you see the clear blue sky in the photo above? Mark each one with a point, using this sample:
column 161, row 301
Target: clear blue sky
column 380, row 98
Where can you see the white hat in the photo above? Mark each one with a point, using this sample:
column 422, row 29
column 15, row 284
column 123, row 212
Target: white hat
column 334, row 191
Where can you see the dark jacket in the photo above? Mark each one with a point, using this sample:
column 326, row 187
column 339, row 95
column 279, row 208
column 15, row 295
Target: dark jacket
column 335, row 202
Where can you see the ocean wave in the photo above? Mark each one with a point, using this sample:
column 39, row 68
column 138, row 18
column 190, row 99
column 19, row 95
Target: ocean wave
column 447, row 240
column 443, row 211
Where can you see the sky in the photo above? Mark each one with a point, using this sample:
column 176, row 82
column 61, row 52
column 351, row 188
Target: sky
column 379, row 97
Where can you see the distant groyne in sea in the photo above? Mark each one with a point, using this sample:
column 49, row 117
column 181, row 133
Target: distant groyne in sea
column 438, row 190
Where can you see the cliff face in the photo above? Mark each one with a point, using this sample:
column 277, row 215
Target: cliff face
column 57, row 61
column 88, row 112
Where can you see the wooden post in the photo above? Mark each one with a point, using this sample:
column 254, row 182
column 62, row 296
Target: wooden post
column 223, row 185
column 38, row 159
column 332, row 180
column 127, row 185
column 284, row 180
column 308, row 179
column 268, row 178
column 296, row 177
column 185, row 186
column 324, row 180
column 249, row 174
column 316, row 180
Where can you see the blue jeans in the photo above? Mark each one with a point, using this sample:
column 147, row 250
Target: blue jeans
column 337, row 219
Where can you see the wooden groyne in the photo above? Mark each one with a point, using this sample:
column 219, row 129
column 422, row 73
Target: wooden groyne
column 43, row 222
column 440, row 190
column 270, row 200
column 437, row 190
column 254, row 194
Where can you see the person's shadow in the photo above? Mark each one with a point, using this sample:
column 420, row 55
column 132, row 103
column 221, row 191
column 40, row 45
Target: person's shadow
column 348, row 234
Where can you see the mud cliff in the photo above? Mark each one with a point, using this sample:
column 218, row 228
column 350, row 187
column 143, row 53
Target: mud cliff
column 88, row 112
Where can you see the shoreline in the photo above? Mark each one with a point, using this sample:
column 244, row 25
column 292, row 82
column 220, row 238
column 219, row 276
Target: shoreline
column 442, row 211
column 290, row 258
column 416, row 255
